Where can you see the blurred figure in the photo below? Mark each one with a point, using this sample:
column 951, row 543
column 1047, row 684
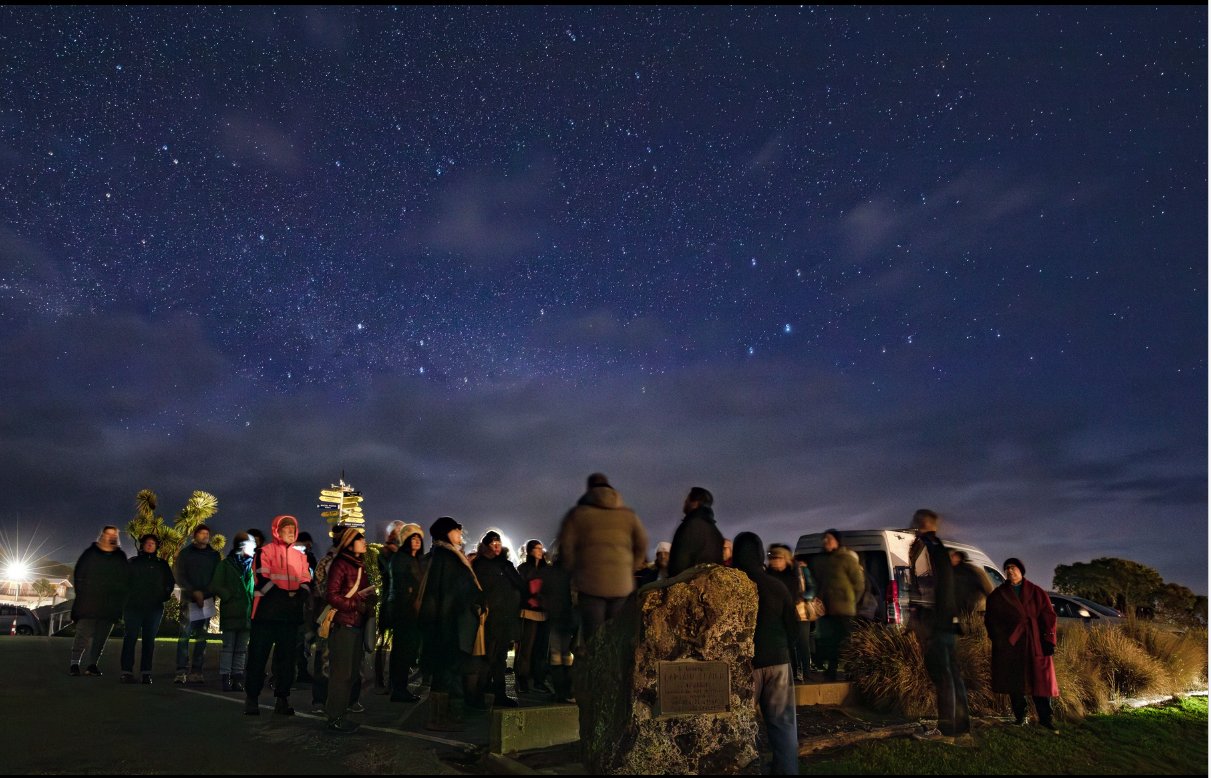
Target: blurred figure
column 233, row 583
column 839, row 583
column 351, row 594
column 306, row 633
column 800, row 585
column 776, row 632
column 934, row 619
column 256, row 535
column 1021, row 625
column 562, row 617
column 406, row 572
column 530, row 662
column 150, row 585
column 601, row 544
column 194, row 569
column 697, row 539
column 282, row 585
column 101, row 581
column 972, row 586
column 502, row 587
column 658, row 570
column 727, row 552
column 383, row 627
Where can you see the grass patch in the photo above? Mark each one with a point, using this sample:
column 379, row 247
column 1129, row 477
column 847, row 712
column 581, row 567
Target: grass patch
column 1166, row 740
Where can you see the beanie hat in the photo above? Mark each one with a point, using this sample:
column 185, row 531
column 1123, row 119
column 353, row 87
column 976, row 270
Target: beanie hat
column 305, row 537
column 1016, row 563
column 408, row 530
column 836, row 535
column 393, row 532
column 490, row 536
column 349, row 536
column 598, row 479
column 238, row 538
column 779, row 551
column 440, row 530
column 200, row 528
column 664, row 546
column 151, row 536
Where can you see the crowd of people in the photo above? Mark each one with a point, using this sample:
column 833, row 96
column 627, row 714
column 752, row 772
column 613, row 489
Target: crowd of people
column 449, row 619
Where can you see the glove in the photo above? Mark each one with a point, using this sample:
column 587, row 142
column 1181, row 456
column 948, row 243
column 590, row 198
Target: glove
column 1048, row 648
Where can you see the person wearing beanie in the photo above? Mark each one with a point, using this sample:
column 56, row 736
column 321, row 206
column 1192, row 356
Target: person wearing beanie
column 194, row 568
column 101, row 579
column 1021, row 624
column 149, row 585
column 282, row 584
column 658, row 570
column 697, row 539
column 503, row 590
column 233, row 583
column 451, row 621
column 839, row 583
column 773, row 641
column 801, row 586
column 530, row 661
column 316, row 603
column 404, row 576
column 601, row 544
column 351, row 594
column 934, row 619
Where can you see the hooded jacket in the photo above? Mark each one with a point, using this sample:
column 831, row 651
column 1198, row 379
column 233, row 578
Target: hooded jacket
column 282, row 578
column 697, row 540
column 777, row 623
column 150, row 580
column 601, row 544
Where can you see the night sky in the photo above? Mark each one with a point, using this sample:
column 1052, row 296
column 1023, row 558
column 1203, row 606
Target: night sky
column 832, row 264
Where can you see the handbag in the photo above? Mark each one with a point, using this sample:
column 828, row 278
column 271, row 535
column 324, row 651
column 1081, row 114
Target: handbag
column 481, row 646
column 810, row 610
column 324, row 623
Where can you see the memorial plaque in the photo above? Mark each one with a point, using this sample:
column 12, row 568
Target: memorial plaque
column 694, row 687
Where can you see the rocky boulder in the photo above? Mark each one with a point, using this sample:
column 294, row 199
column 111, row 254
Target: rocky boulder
column 705, row 615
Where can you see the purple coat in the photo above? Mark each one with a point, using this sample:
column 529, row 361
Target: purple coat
column 1018, row 627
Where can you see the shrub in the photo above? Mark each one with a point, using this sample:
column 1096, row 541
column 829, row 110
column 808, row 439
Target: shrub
column 1125, row 664
column 887, row 668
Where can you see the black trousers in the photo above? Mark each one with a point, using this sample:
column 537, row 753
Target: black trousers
column 280, row 638
column 405, row 645
column 531, row 658
column 1042, row 706
column 595, row 611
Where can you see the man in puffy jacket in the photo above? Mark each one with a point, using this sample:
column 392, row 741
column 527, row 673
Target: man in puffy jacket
column 100, row 579
column 839, row 583
column 150, row 585
column 601, row 545
column 194, row 569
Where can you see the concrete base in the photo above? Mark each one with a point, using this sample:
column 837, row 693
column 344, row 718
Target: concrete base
column 834, row 693
column 524, row 729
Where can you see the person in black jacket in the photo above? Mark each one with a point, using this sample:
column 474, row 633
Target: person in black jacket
column 697, row 539
column 934, row 619
column 449, row 619
column 404, row 575
column 150, row 584
column 775, row 635
column 503, row 589
column 100, row 579
column 530, row 662
column 194, row 569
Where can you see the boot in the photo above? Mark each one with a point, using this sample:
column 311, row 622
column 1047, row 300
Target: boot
column 440, row 719
column 380, row 663
column 473, row 693
column 225, row 682
column 561, row 677
column 523, row 682
column 282, row 706
column 500, row 699
column 251, row 706
column 237, row 682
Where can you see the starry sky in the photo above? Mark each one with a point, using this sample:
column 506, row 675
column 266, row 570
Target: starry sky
column 834, row 264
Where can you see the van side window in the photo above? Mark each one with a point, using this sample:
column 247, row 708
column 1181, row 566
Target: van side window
column 994, row 575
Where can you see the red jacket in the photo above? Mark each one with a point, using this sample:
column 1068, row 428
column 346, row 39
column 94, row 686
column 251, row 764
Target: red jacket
column 350, row 611
column 1018, row 627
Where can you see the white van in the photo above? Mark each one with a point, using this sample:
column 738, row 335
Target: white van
column 884, row 557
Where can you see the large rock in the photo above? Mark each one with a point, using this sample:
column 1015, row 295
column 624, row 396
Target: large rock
column 707, row 613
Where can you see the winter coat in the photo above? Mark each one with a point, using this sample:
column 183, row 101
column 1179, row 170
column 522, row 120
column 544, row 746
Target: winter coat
column 149, row 581
column 1018, row 627
column 777, row 623
column 233, row 582
column 602, row 543
column 503, row 590
column 557, row 599
column 697, row 540
column 798, row 580
column 449, row 614
column 839, row 581
column 100, row 580
column 283, row 580
column 194, row 568
column 972, row 588
column 534, row 576
column 342, row 575
column 931, row 588
column 405, row 574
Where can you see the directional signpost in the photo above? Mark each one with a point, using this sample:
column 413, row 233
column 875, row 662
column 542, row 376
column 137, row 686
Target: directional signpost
column 342, row 504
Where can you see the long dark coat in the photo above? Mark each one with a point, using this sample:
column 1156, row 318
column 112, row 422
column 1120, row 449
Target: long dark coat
column 449, row 610
column 405, row 572
column 1018, row 627
column 503, row 589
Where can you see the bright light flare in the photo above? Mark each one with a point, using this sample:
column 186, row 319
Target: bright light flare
column 16, row 571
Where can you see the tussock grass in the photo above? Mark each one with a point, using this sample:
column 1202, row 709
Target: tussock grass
column 886, row 666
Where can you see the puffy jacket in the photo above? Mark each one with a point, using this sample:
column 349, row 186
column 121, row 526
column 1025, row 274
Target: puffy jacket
column 150, row 580
column 342, row 575
column 839, row 581
column 283, row 579
column 602, row 543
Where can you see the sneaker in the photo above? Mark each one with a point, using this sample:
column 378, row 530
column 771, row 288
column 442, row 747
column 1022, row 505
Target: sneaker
column 180, row 679
column 1022, row 722
column 344, row 726
column 356, row 707
column 931, row 734
column 73, row 670
column 127, row 678
column 93, row 670
column 1050, row 727
column 195, row 679
column 147, row 678
column 319, row 707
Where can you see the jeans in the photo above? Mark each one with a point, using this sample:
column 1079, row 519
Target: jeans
column 595, row 611
column 942, row 665
column 346, row 648
column 144, row 623
column 89, row 642
column 234, row 656
column 192, row 630
column 775, row 692
column 280, row 638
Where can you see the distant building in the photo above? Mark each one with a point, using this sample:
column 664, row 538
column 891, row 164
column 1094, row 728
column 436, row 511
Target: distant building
column 22, row 592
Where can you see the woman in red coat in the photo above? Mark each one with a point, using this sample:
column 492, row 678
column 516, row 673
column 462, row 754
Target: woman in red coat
column 1021, row 625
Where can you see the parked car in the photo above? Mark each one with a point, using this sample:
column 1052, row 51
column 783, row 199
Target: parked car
column 1078, row 610
column 20, row 618
column 884, row 556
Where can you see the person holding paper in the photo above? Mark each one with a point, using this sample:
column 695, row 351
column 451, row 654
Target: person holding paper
column 350, row 593
column 194, row 569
